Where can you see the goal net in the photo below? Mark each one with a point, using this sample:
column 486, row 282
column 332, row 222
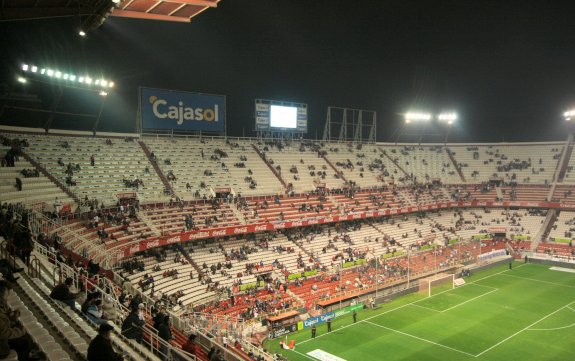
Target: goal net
column 436, row 284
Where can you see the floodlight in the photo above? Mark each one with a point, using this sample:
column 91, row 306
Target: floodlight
column 448, row 117
column 43, row 71
column 81, row 79
column 116, row 1
column 103, row 93
column 72, row 77
column 417, row 116
column 66, row 76
column 34, row 68
column 82, row 33
column 111, row 85
column 88, row 80
column 97, row 82
column 58, row 74
column 25, row 67
column 22, row 80
column 50, row 72
column 103, row 82
column 569, row 114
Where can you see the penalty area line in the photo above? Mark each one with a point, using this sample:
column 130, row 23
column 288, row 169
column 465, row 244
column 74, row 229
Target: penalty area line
column 421, row 339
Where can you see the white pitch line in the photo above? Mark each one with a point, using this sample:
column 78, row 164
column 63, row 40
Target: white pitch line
column 408, row 304
column 541, row 281
column 426, row 308
column 523, row 329
column 421, row 339
column 469, row 300
column 304, row 355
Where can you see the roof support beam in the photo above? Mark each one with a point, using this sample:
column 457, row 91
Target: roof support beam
column 210, row 4
column 148, row 16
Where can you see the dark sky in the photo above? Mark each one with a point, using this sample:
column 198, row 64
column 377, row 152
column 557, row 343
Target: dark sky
column 507, row 67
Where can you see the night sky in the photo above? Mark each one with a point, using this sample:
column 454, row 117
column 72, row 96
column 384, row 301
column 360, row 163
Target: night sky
column 507, row 67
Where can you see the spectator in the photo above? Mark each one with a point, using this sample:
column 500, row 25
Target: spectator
column 12, row 334
column 95, row 312
column 132, row 328
column 62, row 293
column 101, row 347
column 165, row 334
column 192, row 347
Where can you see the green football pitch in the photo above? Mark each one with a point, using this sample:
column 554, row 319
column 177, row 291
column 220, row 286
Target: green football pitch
column 526, row 313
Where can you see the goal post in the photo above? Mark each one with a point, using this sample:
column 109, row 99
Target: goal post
column 436, row 284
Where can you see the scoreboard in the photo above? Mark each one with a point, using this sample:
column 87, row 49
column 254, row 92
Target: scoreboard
column 276, row 115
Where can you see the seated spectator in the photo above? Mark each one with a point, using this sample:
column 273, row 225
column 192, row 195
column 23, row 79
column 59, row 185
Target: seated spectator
column 95, row 312
column 133, row 326
column 62, row 293
column 101, row 347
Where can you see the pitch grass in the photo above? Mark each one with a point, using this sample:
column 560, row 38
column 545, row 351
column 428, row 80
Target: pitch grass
column 527, row 313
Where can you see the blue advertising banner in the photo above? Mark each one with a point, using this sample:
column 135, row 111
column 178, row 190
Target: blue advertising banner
column 169, row 109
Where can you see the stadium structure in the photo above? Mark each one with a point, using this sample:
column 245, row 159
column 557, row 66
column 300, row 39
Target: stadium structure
column 231, row 232
column 249, row 245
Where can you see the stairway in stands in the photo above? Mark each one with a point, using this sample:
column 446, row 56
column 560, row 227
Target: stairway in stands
column 190, row 260
column 274, row 171
column 543, row 233
column 165, row 181
column 455, row 164
column 48, row 175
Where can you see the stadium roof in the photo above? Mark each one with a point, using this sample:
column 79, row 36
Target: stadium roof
column 167, row 10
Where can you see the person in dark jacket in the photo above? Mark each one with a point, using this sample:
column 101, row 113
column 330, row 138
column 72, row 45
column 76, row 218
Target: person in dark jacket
column 165, row 334
column 62, row 293
column 133, row 326
column 100, row 348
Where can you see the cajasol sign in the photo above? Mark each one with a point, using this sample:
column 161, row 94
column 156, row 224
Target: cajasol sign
column 177, row 110
column 328, row 316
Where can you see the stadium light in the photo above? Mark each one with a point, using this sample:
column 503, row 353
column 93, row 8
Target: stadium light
column 22, row 80
column 103, row 93
column 82, row 33
column 569, row 114
column 448, row 117
column 417, row 116
column 55, row 74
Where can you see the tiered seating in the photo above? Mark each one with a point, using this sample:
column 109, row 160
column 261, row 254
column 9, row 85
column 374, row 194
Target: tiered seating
column 291, row 208
column 367, row 166
column 564, row 194
column 113, row 163
column 34, row 189
column 525, row 193
column 480, row 162
column 267, row 183
column 425, row 163
column 172, row 219
column 306, row 161
column 564, row 227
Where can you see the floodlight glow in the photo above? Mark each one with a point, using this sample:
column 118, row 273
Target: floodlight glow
column 103, row 93
column 65, row 77
column 88, row 80
column 417, row 116
column 569, row 114
column 111, row 85
column 34, row 68
column 116, row 1
column 22, row 80
column 25, row 67
column 43, row 71
column 50, row 72
column 103, row 82
column 72, row 77
column 81, row 79
column 58, row 74
column 97, row 82
column 82, row 33
column 447, row 117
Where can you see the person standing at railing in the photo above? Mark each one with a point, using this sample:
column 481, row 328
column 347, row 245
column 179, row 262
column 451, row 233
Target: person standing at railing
column 133, row 326
column 165, row 333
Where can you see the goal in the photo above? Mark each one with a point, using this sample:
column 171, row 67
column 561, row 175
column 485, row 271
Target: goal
column 435, row 284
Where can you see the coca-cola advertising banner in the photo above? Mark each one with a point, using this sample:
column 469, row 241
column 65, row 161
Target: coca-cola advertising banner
column 262, row 227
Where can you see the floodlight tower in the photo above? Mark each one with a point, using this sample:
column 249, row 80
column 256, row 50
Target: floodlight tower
column 65, row 80
column 447, row 118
